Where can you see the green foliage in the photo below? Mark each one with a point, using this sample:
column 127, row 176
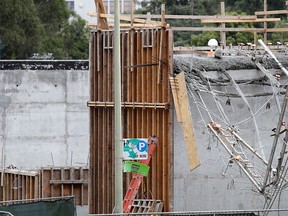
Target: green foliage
column 280, row 36
column 203, row 38
column 212, row 7
column 76, row 38
column 41, row 26
column 20, row 28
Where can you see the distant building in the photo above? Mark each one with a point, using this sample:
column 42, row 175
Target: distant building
column 82, row 7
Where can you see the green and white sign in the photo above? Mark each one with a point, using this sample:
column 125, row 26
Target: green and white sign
column 136, row 167
column 135, row 149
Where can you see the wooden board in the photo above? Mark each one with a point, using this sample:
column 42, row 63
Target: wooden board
column 175, row 87
column 239, row 20
column 228, row 29
column 271, row 12
column 187, row 123
column 103, row 23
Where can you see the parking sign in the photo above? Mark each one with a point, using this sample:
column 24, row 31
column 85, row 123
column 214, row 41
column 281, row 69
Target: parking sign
column 135, row 149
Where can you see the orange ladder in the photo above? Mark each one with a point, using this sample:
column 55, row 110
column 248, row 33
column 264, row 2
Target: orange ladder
column 138, row 178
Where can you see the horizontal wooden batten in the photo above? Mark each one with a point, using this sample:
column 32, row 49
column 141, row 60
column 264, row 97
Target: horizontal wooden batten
column 130, row 105
column 239, row 20
column 193, row 17
column 274, row 12
column 199, row 29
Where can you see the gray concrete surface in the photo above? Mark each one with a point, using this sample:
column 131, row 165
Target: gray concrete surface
column 44, row 118
column 206, row 188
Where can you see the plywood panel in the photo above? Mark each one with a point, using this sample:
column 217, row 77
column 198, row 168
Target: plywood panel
column 148, row 112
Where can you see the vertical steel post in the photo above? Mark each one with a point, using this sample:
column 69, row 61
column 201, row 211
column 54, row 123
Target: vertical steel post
column 117, row 110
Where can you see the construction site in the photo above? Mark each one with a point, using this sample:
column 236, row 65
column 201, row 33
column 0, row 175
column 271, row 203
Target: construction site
column 213, row 121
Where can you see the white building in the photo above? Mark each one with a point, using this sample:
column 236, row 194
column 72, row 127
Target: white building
column 83, row 7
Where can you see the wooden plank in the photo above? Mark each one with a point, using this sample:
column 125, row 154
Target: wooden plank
column 228, row 29
column 277, row 30
column 103, row 23
column 175, row 87
column 271, row 12
column 126, row 18
column 127, row 25
column 240, row 20
column 160, row 57
column 193, row 17
column 223, row 25
column 66, row 182
column 187, row 123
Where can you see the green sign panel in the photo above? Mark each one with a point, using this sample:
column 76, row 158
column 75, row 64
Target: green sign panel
column 136, row 167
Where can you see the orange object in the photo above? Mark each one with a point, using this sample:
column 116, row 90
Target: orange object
column 138, row 178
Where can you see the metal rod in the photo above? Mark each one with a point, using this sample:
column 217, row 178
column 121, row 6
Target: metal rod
column 236, row 161
column 238, row 89
column 118, row 121
column 273, row 149
column 273, row 56
column 247, row 145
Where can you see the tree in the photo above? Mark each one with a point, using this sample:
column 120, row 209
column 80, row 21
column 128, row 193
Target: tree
column 210, row 7
column 20, row 28
column 42, row 26
column 65, row 33
column 76, row 40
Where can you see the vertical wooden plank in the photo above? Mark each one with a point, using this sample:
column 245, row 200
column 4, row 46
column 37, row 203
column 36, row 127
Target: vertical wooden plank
column 23, row 179
column 36, row 186
column 31, row 187
column 82, row 186
column 51, row 185
column 62, row 178
column 153, row 85
column 187, row 124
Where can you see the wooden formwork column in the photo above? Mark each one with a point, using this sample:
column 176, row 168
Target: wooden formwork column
column 145, row 111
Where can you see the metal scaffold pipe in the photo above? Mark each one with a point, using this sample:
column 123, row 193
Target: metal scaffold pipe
column 273, row 56
column 117, row 108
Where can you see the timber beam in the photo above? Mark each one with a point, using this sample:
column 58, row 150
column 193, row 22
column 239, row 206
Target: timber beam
column 226, row 20
column 198, row 29
column 125, row 18
column 271, row 12
column 193, row 17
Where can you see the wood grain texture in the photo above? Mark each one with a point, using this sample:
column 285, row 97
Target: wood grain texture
column 140, row 63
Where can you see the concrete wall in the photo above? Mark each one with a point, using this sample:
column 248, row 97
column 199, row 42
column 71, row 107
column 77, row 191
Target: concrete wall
column 44, row 119
column 206, row 188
